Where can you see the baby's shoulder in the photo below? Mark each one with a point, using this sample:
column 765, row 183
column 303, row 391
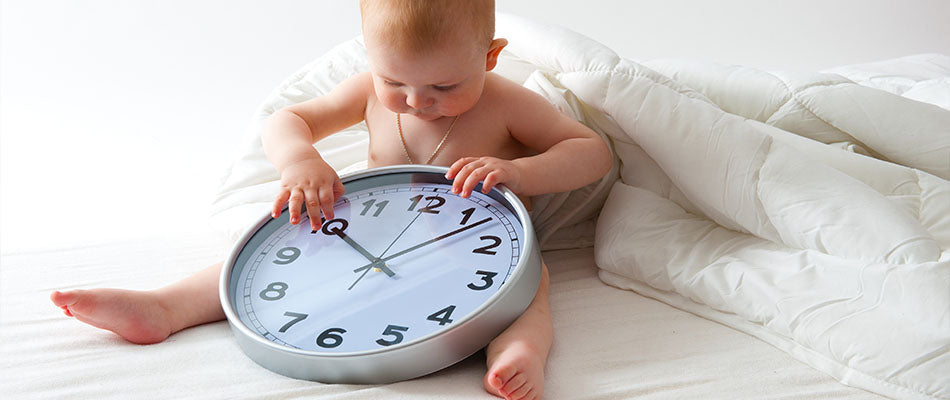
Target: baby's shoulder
column 504, row 89
column 356, row 90
column 361, row 82
column 514, row 98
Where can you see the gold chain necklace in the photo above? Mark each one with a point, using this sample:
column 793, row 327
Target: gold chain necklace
column 437, row 148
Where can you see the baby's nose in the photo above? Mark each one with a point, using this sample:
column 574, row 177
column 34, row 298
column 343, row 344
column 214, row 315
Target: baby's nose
column 418, row 100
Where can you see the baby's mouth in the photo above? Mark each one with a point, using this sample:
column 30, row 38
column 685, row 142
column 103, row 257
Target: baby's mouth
column 425, row 116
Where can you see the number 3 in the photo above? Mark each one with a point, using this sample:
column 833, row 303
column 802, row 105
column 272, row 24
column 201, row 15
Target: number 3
column 486, row 277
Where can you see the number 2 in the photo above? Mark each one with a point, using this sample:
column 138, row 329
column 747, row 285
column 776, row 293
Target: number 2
column 488, row 249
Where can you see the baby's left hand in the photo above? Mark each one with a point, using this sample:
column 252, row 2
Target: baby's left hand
column 468, row 171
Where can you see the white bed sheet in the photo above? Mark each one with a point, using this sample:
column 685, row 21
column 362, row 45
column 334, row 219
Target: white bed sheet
column 610, row 343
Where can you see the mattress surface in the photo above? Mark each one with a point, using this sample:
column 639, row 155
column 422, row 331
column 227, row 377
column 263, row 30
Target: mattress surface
column 609, row 344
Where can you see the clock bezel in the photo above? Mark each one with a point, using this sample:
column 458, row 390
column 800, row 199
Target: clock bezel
column 411, row 359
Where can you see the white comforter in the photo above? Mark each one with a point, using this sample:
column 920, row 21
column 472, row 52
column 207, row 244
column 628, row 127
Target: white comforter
column 805, row 209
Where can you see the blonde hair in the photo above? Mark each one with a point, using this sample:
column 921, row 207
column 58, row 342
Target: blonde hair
column 417, row 25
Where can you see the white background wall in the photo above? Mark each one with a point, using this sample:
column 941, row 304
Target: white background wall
column 118, row 116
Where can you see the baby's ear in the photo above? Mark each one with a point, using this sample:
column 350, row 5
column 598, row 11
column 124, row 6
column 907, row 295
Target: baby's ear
column 493, row 51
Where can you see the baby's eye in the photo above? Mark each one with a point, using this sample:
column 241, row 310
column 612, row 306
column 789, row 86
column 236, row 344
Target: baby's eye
column 392, row 83
column 444, row 88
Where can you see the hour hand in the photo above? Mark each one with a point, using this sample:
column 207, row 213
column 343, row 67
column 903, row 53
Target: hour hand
column 337, row 227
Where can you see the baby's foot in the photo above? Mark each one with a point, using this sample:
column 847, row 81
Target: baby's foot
column 515, row 370
column 136, row 316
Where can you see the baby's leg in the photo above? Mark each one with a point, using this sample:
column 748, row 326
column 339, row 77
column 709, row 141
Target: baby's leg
column 516, row 358
column 146, row 317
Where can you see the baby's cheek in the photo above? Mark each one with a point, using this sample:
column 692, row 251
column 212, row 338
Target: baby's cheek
column 395, row 102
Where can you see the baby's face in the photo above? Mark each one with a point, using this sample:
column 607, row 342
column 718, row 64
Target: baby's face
column 443, row 81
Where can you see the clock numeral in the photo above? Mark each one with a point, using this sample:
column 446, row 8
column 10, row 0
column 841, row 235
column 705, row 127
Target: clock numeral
column 442, row 316
column 430, row 208
column 467, row 215
column 367, row 205
column 331, row 338
column 297, row 317
column 287, row 255
column 280, row 288
column 334, row 226
column 486, row 278
column 488, row 249
column 396, row 332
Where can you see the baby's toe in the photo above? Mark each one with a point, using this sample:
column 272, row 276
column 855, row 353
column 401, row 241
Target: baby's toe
column 515, row 384
column 498, row 377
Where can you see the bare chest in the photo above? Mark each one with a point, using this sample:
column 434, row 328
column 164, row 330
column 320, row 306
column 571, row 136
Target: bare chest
column 474, row 134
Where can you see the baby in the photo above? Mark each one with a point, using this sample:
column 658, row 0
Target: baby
column 429, row 97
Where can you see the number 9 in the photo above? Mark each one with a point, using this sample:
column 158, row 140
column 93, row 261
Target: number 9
column 287, row 255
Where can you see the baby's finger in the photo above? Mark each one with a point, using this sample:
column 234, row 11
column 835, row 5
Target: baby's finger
column 326, row 202
column 338, row 189
column 464, row 173
column 472, row 180
column 490, row 181
column 313, row 207
column 279, row 202
column 313, row 212
column 296, row 203
column 456, row 166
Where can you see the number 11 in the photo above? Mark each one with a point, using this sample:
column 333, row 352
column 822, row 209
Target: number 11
column 369, row 204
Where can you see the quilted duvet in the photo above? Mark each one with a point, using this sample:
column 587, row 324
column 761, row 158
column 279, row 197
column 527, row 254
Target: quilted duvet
column 802, row 208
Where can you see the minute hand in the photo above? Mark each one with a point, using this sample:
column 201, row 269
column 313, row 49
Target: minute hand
column 427, row 242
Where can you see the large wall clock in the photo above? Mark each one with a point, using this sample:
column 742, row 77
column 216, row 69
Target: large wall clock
column 406, row 279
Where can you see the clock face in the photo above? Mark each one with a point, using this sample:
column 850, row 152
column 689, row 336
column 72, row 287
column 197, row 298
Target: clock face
column 403, row 258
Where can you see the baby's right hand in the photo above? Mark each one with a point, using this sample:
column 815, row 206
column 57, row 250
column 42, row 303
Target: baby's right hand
column 312, row 182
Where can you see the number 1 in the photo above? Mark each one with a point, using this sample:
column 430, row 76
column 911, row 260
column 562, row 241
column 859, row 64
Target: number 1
column 468, row 214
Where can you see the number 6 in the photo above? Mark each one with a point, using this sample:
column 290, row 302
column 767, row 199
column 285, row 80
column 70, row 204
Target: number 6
column 331, row 338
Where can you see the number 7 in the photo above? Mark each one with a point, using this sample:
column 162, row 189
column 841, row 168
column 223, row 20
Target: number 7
column 297, row 317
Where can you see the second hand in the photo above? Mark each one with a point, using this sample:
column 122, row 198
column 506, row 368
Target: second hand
column 375, row 264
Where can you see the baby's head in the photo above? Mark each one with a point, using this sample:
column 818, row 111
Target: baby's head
column 429, row 57
column 418, row 26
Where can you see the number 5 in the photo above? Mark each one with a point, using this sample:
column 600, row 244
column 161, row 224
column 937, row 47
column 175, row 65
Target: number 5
column 396, row 332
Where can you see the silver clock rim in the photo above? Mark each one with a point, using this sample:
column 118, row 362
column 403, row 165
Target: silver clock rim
column 530, row 254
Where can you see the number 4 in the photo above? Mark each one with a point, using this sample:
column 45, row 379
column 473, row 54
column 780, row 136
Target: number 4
column 442, row 316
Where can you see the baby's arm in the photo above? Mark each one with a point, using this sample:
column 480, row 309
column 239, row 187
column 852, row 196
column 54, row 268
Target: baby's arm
column 288, row 139
column 570, row 155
